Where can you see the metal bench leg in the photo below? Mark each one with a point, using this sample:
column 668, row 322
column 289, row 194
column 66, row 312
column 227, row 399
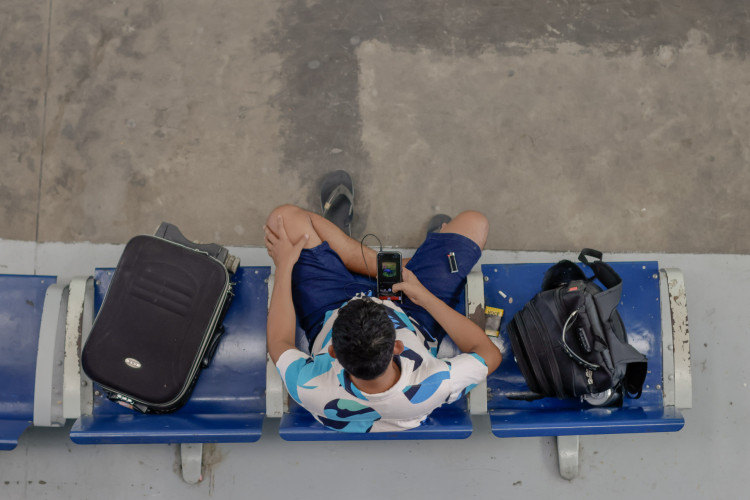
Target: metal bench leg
column 191, row 455
column 567, row 454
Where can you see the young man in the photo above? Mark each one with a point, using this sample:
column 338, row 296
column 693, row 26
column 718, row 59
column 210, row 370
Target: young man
column 373, row 366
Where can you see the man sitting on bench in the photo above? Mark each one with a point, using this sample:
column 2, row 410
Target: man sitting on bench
column 373, row 366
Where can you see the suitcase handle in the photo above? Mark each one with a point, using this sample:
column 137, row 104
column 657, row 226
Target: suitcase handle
column 172, row 233
column 212, row 347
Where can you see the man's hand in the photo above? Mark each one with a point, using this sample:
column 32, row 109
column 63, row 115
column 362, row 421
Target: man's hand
column 464, row 332
column 280, row 248
column 412, row 287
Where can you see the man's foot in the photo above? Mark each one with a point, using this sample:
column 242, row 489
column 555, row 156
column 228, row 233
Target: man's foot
column 437, row 222
column 337, row 199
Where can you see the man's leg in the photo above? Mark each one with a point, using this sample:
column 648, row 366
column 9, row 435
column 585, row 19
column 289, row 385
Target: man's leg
column 430, row 265
column 320, row 280
column 298, row 222
column 474, row 225
column 465, row 236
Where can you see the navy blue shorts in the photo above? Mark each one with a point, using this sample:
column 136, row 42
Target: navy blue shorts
column 321, row 282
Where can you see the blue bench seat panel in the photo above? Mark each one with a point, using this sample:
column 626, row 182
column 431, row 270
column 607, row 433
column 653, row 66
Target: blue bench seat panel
column 512, row 413
column 447, row 422
column 228, row 401
column 21, row 305
column 172, row 428
column 528, row 423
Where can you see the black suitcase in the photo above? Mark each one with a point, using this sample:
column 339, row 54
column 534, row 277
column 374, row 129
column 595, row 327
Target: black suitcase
column 160, row 321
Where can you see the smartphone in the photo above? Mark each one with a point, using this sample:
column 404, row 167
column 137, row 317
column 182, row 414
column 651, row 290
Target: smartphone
column 389, row 273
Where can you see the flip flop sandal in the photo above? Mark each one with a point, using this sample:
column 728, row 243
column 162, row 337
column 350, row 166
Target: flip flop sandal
column 436, row 223
column 337, row 199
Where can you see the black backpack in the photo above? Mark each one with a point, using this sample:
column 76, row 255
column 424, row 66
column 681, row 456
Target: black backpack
column 569, row 340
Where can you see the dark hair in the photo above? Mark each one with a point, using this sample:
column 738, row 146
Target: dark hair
column 363, row 338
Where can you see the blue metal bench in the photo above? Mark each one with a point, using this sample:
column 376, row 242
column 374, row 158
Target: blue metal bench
column 644, row 313
column 228, row 402
column 233, row 395
column 22, row 316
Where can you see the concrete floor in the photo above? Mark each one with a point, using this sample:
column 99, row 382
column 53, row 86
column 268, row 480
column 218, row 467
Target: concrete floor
column 619, row 125
column 616, row 125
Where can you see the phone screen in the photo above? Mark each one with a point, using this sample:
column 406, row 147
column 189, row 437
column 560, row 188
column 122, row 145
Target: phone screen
column 389, row 273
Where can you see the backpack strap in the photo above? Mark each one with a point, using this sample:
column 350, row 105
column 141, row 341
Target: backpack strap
column 602, row 270
column 635, row 377
column 606, row 300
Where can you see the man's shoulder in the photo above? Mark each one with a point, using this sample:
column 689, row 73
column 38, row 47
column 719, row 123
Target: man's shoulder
column 294, row 363
column 310, row 374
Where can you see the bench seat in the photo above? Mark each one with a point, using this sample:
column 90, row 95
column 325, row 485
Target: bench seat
column 529, row 423
column 447, row 422
column 512, row 409
column 22, row 300
column 228, row 401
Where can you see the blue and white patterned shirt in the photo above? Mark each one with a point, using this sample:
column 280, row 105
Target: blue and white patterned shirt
column 321, row 385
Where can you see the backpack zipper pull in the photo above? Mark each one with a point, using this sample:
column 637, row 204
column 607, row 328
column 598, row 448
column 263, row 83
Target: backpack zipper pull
column 590, row 377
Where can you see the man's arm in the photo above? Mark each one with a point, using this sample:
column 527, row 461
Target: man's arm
column 357, row 257
column 281, row 324
column 465, row 333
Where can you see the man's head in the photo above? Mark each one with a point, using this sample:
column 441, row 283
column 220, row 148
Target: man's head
column 363, row 338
